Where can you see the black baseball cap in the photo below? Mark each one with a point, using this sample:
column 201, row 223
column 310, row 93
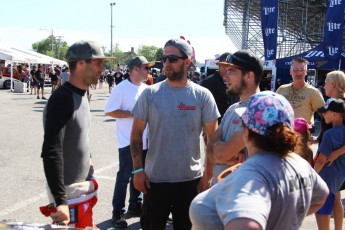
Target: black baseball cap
column 245, row 60
column 222, row 58
column 334, row 105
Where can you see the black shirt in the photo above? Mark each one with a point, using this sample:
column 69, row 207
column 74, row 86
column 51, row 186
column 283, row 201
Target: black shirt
column 39, row 75
column 216, row 85
column 53, row 76
column 118, row 77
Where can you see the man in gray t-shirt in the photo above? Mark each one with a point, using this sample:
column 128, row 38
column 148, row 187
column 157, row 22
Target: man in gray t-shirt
column 242, row 78
column 175, row 111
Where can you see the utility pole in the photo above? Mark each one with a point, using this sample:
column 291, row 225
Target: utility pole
column 52, row 39
column 111, row 27
column 59, row 38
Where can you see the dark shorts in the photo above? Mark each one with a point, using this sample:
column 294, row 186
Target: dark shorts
column 40, row 84
column 328, row 205
column 33, row 84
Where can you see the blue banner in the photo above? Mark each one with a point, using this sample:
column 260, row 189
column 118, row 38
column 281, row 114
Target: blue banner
column 333, row 29
column 313, row 56
column 269, row 27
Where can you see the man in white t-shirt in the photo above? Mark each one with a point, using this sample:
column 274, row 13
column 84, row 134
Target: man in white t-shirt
column 120, row 104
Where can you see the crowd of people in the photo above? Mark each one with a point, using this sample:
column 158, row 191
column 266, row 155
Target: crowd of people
column 259, row 171
column 39, row 75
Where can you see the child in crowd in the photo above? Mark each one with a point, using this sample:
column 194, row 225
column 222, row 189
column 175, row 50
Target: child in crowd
column 302, row 127
column 334, row 174
column 274, row 188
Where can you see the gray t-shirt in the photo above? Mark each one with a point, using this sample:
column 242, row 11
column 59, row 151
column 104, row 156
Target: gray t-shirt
column 175, row 118
column 276, row 192
column 64, row 77
column 231, row 123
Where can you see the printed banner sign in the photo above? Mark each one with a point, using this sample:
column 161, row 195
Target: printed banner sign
column 269, row 27
column 333, row 29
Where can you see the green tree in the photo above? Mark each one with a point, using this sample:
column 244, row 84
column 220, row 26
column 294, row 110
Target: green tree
column 44, row 47
column 150, row 52
column 120, row 57
column 159, row 54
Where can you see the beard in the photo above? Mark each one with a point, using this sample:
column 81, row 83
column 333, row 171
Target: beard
column 239, row 89
column 175, row 75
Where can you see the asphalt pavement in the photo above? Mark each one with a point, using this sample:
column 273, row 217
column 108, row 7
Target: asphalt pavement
column 21, row 169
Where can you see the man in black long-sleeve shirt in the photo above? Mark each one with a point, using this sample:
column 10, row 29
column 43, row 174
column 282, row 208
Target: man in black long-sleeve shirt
column 65, row 151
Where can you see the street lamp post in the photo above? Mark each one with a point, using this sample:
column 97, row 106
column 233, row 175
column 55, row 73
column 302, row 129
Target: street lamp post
column 111, row 27
column 59, row 38
column 52, row 39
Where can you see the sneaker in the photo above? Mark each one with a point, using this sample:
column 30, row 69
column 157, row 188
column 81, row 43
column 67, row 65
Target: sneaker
column 38, row 97
column 119, row 220
column 135, row 209
column 44, row 98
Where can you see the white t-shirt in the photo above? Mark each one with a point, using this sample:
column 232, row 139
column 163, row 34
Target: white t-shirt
column 123, row 97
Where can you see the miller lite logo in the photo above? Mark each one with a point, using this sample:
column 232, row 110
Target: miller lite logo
column 269, row 31
column 332, row 50
column 315, row 53
column 333, row 3
column 332, row 26
column 269, row 52
column 269, row 10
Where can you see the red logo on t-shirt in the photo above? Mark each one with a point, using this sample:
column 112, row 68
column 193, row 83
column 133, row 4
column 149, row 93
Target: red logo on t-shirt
column 182, row 106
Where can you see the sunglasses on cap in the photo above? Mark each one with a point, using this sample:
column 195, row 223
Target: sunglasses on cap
column 172, row 58
column 232, row 57
column 329, row 100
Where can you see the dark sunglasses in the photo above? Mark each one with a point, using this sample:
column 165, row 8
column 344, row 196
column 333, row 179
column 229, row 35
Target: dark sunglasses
column 145, row 67
column 172, row 58
column 231, row 57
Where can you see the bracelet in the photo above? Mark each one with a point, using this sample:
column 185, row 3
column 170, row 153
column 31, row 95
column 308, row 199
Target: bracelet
column 137, row 171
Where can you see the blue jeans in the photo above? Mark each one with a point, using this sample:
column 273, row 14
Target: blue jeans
column 123, row 177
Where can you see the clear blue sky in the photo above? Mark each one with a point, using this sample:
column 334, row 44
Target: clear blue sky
column 137, row 22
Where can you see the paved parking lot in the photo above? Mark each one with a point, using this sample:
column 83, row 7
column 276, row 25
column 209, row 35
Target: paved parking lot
column 21, row 170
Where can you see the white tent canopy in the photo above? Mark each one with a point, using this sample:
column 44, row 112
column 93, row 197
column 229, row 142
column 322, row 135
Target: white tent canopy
column 12, row 54
column 16, row 54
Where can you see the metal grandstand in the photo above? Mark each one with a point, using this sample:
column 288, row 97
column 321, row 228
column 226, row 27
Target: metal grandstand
column 300, row 25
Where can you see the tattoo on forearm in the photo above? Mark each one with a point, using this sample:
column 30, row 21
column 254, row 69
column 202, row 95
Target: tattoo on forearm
column 137, row 149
